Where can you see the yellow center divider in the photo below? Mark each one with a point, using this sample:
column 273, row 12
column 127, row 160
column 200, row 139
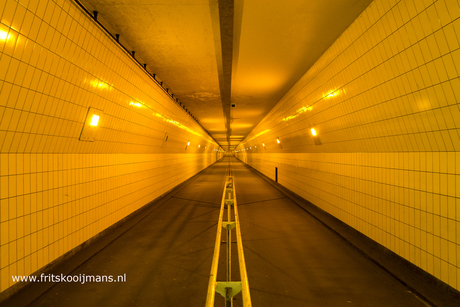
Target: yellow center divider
column 228, row 288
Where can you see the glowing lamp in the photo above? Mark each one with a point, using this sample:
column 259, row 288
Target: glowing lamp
column 3, row 35
column 94, row 120
column 90, row 128
column 316, row 138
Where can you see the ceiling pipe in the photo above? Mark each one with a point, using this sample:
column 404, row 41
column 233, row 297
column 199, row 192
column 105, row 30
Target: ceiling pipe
column 226, row 18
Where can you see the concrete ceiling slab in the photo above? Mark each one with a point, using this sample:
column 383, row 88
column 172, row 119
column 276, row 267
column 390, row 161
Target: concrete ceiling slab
column 212, row 54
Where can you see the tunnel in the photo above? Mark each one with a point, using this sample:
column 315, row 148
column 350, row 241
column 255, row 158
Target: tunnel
column 333, row 124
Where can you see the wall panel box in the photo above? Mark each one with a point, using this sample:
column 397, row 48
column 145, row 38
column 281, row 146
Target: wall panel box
column 90, row 129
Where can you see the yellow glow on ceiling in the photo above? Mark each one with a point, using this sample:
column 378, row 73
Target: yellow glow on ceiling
column 241, row 125
column 211, row 120
column 265, row 82
column 260, row 82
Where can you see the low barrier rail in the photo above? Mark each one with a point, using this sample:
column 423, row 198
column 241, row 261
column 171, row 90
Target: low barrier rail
column 228, row 289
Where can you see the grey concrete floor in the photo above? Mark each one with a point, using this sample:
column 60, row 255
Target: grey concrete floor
column 291, row 258
column 294, row 260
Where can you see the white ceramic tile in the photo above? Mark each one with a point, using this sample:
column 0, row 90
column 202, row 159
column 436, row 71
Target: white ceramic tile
column 47, row 113
column 8, row 12
column 423, row 84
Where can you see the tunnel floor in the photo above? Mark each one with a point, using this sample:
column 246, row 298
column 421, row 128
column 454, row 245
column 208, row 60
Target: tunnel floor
column 165, row 255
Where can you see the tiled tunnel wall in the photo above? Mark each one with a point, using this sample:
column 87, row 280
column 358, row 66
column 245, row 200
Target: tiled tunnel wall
column 57, row 191
column 384, row 102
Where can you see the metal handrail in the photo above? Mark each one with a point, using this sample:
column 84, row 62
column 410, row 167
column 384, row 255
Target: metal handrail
column 231, row 288
column 215, row 258
column 243, row 273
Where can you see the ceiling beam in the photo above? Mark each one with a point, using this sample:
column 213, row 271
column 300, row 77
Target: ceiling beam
column 223, row 15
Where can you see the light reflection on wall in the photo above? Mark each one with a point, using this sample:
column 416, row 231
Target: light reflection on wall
column 179, row 125
column 136, row 104
column 100, row 85
column 333, row 93
column 4, row 36
column 103, row 85
column 298, row 112
column 257, row 135
column 423, row 104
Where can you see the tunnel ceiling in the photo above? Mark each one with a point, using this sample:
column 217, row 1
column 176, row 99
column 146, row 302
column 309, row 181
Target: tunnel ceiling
column 211, row 54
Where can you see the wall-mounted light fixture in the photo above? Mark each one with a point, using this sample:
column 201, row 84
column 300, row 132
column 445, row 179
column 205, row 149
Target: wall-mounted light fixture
column 94, row 120
column 279, row 142
column 316, row 138
column 165, row 139
column 188, row 143
column 313, row 131
column 90, row 129
column 4, row 35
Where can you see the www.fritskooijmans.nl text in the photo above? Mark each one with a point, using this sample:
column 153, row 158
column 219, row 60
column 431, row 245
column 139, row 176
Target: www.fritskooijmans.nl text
column 80, row 278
